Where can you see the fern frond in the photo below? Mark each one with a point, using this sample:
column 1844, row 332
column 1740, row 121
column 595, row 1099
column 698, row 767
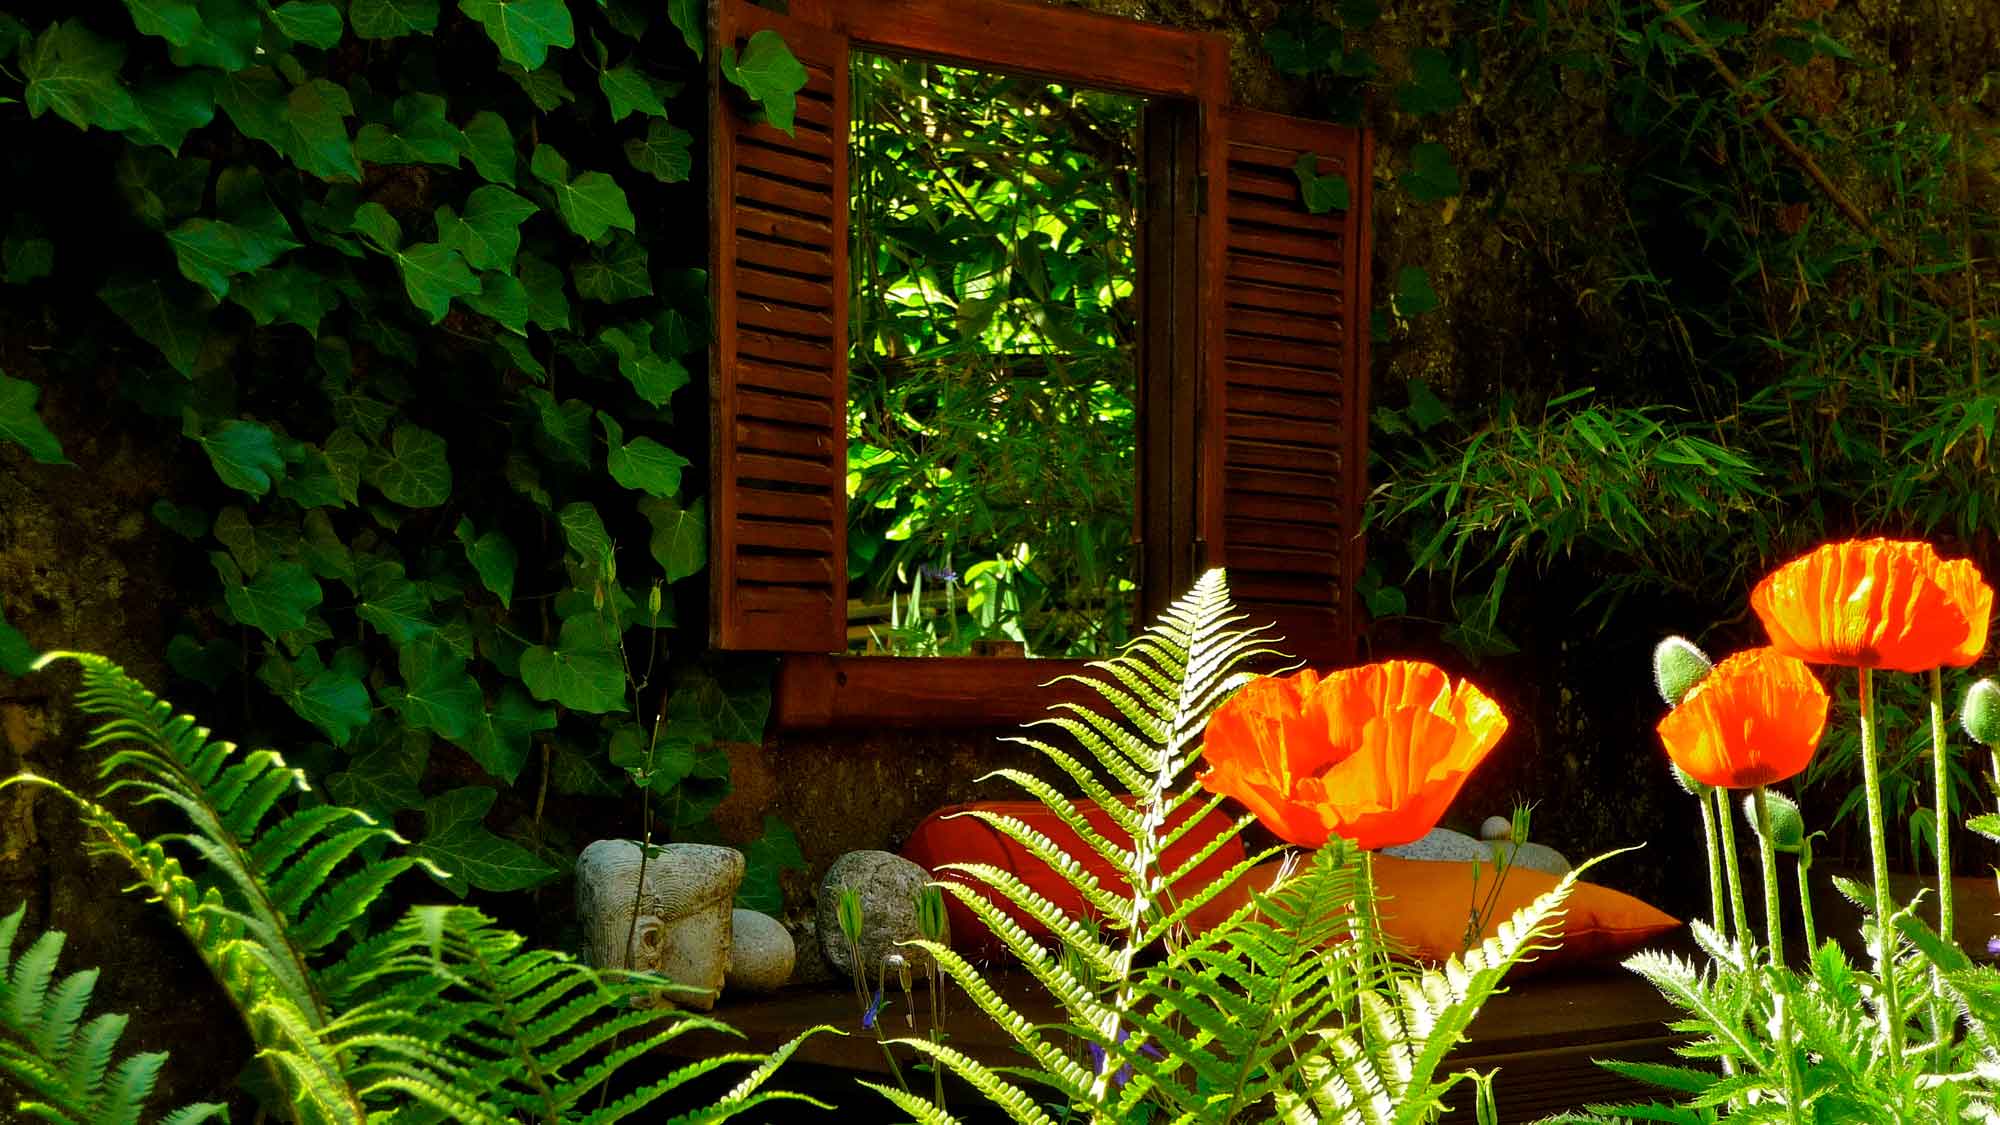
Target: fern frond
column 60, row 1067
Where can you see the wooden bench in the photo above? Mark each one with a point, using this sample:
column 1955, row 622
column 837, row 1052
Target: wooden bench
column 1542, row 1034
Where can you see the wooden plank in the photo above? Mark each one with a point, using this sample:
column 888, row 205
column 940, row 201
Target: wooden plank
column 1284, row 214
column 1268, row 518
column 786, row 163
column 1319, row 403
column 791, row 352
column 1257, row 545
column 797, row 410
column 1239, row 454
column 756, row 283
column 756, row 467
column 778, row 241
column 888, row 691
column 1313, row 434
column 1312, row 277
column 1247, row 294
column 1281, row 158
column 780, row 536
column 810, row 443
column 1106, row 52
column 796, row 506
column 1285, row 245
column 758, row 315
column 1316, row 486
column 753, row 186
column 787, row 570
column 1284, row 325
column 1254, row 377
column 760, row 378
column 1291, row 353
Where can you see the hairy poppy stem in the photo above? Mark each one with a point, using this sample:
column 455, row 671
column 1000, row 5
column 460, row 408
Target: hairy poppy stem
column 1715, row 906
column 1941, row 777
column 1878, row 844
column 1773, row 908
column 1739, row 916
column 1805, row 906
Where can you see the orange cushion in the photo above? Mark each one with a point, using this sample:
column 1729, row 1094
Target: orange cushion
column 1424, row 905
column 947, row 837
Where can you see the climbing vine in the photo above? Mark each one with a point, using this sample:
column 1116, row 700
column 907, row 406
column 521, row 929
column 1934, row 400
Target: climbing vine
column 418, row 283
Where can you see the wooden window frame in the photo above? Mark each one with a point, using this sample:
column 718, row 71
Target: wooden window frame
column 1195, row 415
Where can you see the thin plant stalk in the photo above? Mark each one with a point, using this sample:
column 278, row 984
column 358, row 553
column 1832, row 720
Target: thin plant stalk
column 1941, row 777
column 1805, row 903
column 1709, row 835
column 1878, row 844
column 1739, row 915
column 1775, row 934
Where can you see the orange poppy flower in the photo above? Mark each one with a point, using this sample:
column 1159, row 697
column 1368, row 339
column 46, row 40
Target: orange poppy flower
column 1877, row 603
column 1374, row 753
column 1756, row 719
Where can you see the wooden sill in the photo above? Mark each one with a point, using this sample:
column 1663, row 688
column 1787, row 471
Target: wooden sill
column 861, row 692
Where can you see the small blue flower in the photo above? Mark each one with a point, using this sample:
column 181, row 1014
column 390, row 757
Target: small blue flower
column 940, row 574
column 1124, row 1075
column 874, row 1010
column 1993, row 947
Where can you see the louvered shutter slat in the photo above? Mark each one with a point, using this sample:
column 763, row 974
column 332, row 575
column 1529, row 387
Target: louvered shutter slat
column 778, row 277
column 1287, row 379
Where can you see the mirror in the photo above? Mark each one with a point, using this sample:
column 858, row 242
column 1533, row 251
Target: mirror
column 992, row 372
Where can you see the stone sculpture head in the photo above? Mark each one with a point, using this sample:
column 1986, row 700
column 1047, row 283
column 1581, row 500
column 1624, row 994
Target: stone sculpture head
column 683, row 929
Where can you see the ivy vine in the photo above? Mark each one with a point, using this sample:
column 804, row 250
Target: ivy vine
column 419, row 282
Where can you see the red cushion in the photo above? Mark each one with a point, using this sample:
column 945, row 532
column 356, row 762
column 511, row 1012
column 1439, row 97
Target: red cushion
column 947, row 837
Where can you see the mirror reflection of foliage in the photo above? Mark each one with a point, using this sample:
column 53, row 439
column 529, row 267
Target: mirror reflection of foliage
column 992, row 379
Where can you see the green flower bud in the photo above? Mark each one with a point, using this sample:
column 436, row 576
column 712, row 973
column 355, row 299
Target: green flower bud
column 1677, row 667
column 850, row 914
column 653, row 602
column 1981, row 716
column 932, row 923
column 1788, row 828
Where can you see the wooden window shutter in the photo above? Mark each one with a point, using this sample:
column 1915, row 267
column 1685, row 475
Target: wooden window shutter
column 778, row 361
column 1285, row 420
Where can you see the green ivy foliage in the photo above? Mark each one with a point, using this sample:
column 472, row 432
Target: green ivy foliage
column 418, row 280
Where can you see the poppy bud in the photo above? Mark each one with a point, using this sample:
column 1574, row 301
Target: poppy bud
column 1688, row 784
column 1788, row 828
column 1981, row 716
column 1677, row 667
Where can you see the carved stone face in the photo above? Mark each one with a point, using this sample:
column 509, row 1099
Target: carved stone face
column 683, row 932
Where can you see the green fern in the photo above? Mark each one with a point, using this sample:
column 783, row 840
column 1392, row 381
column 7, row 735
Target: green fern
column 442, row 1017
column 61, row 1064
column 1268, row 1013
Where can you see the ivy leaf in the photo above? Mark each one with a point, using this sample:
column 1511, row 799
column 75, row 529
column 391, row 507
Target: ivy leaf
column 413, row 471
column 591, row 204
column 316, row 114
column 501, row 739
column 432, row 275
column 346, row 455
column 20, row 424
column 687, row 17
column 680, row 536
column 548, row 305
column 290, row 294
column 26, row 257
column 184, row 520
column 777, row 850
column 566, row 424
column 502, row 297
column 489, row 144
column 618, row 272
column 165, row 111
column 389, row 19
column 644, row 464
column 229, row 36
column 171, row 20
column 233, row 530
column 211, row 665
column 383, row 780
column 396, row 606
column 323, row 551
column 653, row 376
column 74, row 72
column 163, row 314
column 1300, row 43
column 211, row 252
column 276, row 601
column 374, row 222
column 1414, row 295
column 245, row 456
column 17, row 656
column 1432, row 176
column 470, row 855
column 489, row 234
column 1433, row 86
column 312, row 22
column 492, row 556
column 544, row 87
column 1322, row 193
column 770, row 74
column 584, row 531
column 631, row 90
column 421, row 136
column 437, row 693
column 583, row 671
column 524, row 30
column 663, row 154
column 334, row 701
column 735, row 712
